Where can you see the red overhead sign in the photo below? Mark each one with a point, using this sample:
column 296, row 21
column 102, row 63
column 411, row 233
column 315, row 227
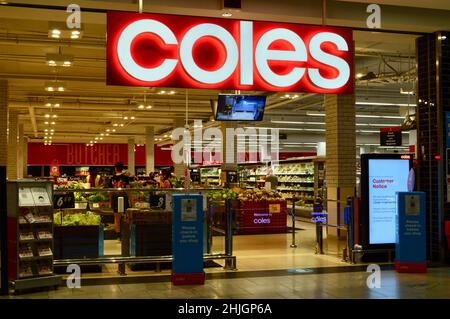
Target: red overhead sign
column 198, row 52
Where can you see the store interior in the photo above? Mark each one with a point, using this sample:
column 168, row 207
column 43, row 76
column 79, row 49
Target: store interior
column 57, row 86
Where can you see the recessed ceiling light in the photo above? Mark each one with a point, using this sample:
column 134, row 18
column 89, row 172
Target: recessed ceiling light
column 226, row 14
column 55, row 116
column 122, row 125
column 142, row 106
column 47, row 115
column 113, row 130
column 115, row 124
column 102, row 134
column 149, row 107
column 96, row 138
column 132, row 118
column 107, row 134
column 46, row 123
column 101, row 138
column 52, row 123
column 107, row 130
column 52, row 130
column 125, row 117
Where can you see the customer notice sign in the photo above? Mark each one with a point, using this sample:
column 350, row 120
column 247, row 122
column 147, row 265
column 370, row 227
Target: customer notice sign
column 391, row 136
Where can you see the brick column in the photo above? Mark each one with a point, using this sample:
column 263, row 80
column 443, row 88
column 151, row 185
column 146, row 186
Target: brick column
column 178, row 168
column 20, row 140
column 131, row 162
column 25, row 156
column 149, row 149
column 341, row 156
column 3, row 196
column 13, row 126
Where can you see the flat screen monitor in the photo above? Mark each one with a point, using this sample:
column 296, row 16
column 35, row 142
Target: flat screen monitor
column 240, row 108
column 382, row 176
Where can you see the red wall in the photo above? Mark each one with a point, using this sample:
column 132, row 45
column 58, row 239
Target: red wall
column 99, row 154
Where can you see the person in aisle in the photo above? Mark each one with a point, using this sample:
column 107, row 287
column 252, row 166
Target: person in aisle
column 119, row 180
column 94, row 179
column 164, row 180
column 272, row 179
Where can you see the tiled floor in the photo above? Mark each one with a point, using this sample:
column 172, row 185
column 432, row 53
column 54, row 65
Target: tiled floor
column 265, row 264
column 434, row 284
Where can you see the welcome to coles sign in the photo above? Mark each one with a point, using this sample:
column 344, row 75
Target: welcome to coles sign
column 197, row 52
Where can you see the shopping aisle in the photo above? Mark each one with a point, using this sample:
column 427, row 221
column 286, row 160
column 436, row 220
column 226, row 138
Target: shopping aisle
column 338, row 284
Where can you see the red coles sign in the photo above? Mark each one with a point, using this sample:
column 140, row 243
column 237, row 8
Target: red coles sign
column 198, row 52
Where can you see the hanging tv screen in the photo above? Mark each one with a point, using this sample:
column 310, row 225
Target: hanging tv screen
column 240, row 108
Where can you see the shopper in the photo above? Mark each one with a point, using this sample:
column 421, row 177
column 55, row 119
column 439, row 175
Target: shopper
column 119, row 180
column 164, row 181
column 272, row 179
column 94, row 179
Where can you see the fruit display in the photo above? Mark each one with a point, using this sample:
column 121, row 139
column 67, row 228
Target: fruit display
column 78, row 219
column 260, row 195
column 222, row 194
column 97, row 197
column 306, row 168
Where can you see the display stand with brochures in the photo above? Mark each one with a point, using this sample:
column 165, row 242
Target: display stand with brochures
column 30, row 235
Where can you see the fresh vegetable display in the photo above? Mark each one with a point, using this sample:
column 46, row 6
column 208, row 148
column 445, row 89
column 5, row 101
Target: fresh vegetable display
column 222, row 194
column 78, row 219
column 97, row 197
column 260, row 195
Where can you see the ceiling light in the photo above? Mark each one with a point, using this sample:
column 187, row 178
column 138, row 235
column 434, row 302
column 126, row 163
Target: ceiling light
column 76, row 32
column 52, row 86
column 226, row 14
column 142, row 106
column 115, row 124
column 406, row 92
column 52, row 130
column 132, row 118
column 46, row 130
column 91, row 142
column 148, row 107
column 102, row 134
column 48, row 104
column 162, row 92
column 57, row 105
column 46, row 123
column 107, row 134
column 64, row 60
column 122, row 125
column 46, row 133
column 54, row 116
column 47, row 115
column 125, row 117
column 96, row 138
column 166, row 136
column 101, row 138
column 52, row 123
column 95, row 142
column 362, row 116
column 113, row 130
column 359, row 75
column 108, row 130
column 172, row 92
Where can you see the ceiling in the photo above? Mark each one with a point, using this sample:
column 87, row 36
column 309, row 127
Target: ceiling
column 89, row 107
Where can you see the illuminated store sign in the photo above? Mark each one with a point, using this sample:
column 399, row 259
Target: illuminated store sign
column 198, row 52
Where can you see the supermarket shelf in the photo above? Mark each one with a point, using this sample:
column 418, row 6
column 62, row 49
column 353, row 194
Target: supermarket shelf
column 35, row 258
column 303, row 182
column 34, row 240
column 295, row 190
column 296, row 174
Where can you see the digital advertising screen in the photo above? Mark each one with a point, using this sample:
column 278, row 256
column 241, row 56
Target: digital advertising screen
column 240, row 108
column 384, row 175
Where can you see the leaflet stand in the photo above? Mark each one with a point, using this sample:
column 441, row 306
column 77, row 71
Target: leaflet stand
column 30, row 235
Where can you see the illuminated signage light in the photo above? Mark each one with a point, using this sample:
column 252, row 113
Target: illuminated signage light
column 198, row 52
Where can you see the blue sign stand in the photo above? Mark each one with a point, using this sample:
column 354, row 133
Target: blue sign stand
column 187, row 239
column 410, row 250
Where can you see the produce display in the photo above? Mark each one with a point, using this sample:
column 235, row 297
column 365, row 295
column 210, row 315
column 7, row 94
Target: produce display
column 260, row 195
column 78, row 219
column 223, row 194
column 96, row 197
column 69, row 185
